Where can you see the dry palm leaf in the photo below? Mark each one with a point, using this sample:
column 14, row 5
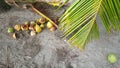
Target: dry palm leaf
column 45, row 8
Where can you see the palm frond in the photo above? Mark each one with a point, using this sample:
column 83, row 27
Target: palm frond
column 79, row 25
column 110, row 14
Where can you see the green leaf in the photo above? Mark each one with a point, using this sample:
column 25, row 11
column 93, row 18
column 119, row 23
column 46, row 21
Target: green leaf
column 79, row 25
column 85, row 34
column 110, row 15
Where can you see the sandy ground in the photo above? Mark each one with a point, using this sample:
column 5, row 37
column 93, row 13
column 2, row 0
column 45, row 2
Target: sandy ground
column 49, row 50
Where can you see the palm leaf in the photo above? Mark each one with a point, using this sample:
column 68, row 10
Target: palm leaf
column 79, row 25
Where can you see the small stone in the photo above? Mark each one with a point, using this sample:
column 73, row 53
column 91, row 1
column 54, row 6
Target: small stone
column 27, row 23
column 24, row 27
column 42, row 26
column 33, row 23
column 53, row 28
column 32, row 28
column 42, row 20
column 17, row 27
column 32, row 33
column 49, row 25
column 14, row 36
column 38, row 28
